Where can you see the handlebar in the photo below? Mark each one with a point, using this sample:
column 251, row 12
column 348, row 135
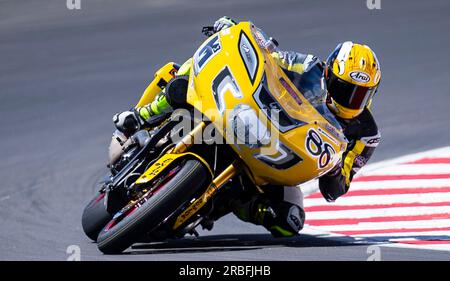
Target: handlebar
column 208, row 30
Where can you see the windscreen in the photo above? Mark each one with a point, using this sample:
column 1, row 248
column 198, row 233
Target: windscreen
column 310, row 83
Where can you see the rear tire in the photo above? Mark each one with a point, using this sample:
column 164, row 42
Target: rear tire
column 189, row 179
column 95, row 216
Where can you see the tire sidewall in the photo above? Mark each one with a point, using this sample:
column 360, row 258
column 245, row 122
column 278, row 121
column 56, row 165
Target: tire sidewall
column 176, row 192
column 95, row 216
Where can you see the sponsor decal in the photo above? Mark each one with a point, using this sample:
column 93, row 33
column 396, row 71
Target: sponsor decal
column 291, row 91
column 195, row 207
column 248, row 55
column 259, row 38
column 360, row 160
column 372, row 141
column 360, row 77
column 328, row 127
column 159, row 166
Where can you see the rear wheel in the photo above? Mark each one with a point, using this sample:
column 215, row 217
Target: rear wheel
column 95, row 216
column 174, row 189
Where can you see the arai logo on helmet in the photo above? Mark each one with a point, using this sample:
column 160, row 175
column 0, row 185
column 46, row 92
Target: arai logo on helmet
column 360, row 77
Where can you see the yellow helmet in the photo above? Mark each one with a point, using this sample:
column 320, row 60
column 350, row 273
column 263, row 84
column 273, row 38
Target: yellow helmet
column 353, row 74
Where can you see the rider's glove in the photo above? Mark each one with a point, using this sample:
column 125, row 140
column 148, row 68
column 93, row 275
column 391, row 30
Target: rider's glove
column 223, row 23
column 332, row 185
column 128, row 122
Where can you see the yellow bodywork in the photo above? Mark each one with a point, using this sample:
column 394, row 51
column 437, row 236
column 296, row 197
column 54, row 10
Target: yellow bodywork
column 164, row 162
column 162, row 77
column 201, row 97
column 316, row 143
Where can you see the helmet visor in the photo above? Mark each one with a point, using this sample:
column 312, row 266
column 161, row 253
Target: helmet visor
column 347, row 94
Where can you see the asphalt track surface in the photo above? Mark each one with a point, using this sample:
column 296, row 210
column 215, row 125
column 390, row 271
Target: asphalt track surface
column 64, row 73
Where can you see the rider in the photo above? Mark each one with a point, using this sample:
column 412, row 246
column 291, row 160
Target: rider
column 352, row 74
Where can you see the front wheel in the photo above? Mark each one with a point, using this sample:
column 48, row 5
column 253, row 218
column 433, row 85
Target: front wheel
column 177, row 187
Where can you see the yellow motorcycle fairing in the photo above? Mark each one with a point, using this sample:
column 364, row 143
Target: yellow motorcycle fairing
column 161, row 78
column 232, row 78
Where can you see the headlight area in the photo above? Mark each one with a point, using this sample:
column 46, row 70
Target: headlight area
column 247, row 128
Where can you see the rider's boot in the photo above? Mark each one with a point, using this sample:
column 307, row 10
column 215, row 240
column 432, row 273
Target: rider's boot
column 130, row 121
column 281, row 218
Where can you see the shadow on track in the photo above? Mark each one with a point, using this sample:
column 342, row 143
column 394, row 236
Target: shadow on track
column 240, row 242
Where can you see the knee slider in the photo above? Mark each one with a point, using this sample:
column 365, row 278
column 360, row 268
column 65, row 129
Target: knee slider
column 296, row 218
column 289, row 220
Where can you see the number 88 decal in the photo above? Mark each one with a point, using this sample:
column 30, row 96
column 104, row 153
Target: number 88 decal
column 318, row 148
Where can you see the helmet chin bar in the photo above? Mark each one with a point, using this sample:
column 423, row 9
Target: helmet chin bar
column 343, row 112
column 332, row 106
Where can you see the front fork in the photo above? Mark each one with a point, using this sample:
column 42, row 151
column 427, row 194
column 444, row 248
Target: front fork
column 216, row 184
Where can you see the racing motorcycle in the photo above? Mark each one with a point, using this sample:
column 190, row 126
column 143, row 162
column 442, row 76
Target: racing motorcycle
column 257, row 121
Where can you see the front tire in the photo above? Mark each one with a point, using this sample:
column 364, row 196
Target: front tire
column 116, row 237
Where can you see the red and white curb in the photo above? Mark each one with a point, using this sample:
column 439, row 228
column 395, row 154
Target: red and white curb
column 400, row 202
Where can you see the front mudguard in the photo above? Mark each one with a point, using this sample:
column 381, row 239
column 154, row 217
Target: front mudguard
column 166, row 161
